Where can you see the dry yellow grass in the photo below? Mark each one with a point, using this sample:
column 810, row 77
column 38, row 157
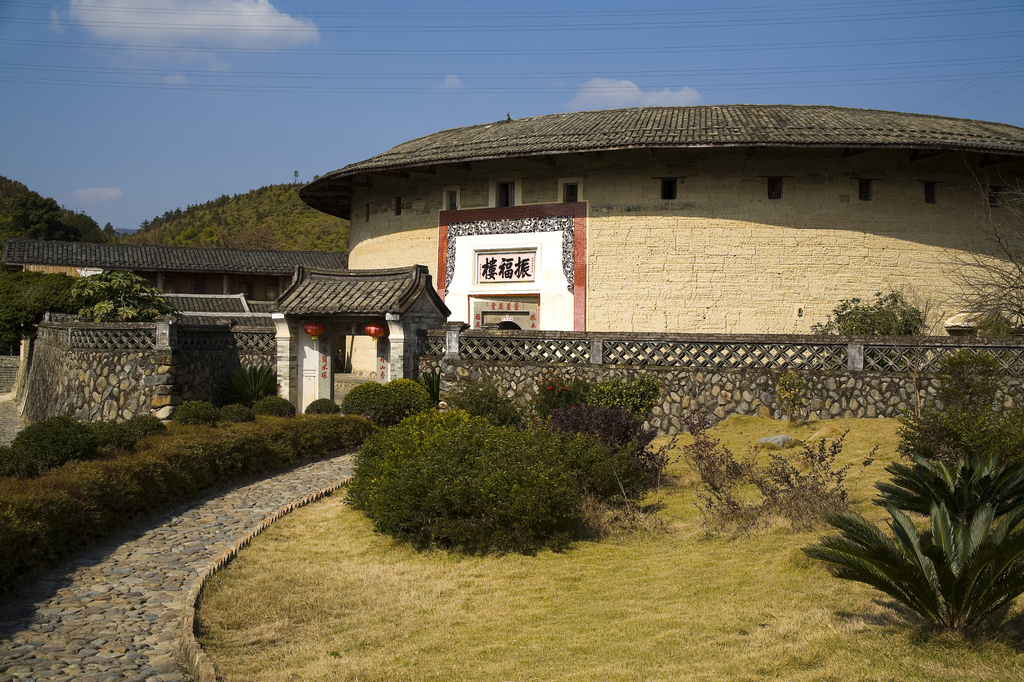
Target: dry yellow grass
column 319, row 596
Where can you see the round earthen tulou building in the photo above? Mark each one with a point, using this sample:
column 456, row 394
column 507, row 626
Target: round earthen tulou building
column 725, row 219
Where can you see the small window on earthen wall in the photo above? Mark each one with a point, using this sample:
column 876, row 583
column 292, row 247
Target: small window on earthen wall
column 929, row 192
column 669, row 188
column 864, row 189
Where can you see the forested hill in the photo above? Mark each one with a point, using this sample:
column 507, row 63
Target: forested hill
column 271, row 217
column 8, row 190
column 29, row 215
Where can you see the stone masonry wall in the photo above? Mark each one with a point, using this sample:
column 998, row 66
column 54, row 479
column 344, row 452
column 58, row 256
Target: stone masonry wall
column 722, row 392
column 92, row 384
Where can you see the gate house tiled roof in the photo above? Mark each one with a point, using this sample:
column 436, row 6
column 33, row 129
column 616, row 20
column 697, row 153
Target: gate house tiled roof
column 166, row 258
column 358, row 292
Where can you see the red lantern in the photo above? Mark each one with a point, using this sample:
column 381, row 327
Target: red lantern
column 314, row 329
column 377, row 331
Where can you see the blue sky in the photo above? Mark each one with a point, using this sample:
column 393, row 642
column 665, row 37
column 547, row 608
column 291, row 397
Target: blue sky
column 128, row 108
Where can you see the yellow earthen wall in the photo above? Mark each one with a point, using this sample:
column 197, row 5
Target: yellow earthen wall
column 722, row 257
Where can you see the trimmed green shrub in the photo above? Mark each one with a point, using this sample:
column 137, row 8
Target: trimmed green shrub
column 194, row 412
column 483, row 398
column 632, row 467
column 142, row 425
column 7, row 463
column 362, row 398
column 323, row 406
column 637, row 396
column 44, row 520
column 237, row 413
column 125, row 435
column 49, row 443
column 274, row 406
column 247, row 386
column 448, row 479
column 386, row 404
column 112, row 435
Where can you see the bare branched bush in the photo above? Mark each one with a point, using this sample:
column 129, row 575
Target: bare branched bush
column 739, row 495
column 991, row 279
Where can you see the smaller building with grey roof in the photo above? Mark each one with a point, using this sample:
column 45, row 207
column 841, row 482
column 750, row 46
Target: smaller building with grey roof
column 258, row 274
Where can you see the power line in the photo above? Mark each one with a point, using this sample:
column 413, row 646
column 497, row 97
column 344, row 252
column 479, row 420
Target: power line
column 930, row 65
column 439, row 88
column 525, row 51
column 436, row 27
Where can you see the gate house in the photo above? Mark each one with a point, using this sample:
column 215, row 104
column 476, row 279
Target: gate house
column 321, row 308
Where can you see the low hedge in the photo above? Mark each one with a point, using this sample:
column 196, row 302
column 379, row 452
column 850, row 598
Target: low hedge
column 274, row 406
column 46, row 519
column 387, row 404
column 323, row 406
column 448, row 479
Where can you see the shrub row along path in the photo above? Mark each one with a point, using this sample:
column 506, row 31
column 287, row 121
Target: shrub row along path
column 113, row 613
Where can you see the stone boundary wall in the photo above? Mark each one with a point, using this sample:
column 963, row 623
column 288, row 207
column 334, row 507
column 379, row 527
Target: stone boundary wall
column 8, row 372
column 829, row 392
column 97, row 372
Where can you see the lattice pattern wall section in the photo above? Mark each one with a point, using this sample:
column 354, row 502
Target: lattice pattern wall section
column 725, row 355
column 195, row 339
column 261, row 343
column 779, row 354
column 525, row 350
column 924, row 359
column 113, row 339
column 432, row 345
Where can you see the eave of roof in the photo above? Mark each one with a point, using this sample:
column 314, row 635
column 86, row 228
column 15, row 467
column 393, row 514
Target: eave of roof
column 358, row 292
column 738, row 125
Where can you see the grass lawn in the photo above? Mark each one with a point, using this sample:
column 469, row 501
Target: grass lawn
column 319, row 596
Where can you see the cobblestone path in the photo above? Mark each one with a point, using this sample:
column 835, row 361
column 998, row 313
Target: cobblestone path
column 113, row 613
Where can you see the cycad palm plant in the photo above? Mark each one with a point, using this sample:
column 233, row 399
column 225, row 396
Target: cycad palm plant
column 966, row 567
column 247, row 386
column 962, row 487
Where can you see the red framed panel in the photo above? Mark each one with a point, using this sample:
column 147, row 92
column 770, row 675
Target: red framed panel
column 577, row 210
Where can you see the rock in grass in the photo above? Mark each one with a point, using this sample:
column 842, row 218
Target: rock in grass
column 779, row 441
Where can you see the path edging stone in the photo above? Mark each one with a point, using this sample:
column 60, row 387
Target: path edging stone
column 190, row 653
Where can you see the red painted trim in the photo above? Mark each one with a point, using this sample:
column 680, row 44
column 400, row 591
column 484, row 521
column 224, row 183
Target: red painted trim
column 579, row 307
column 442, row 255
column 577, row 210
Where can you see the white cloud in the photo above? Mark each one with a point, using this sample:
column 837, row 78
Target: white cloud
column 223, row 23
column 97, row 194
column 451, row 82
column 56, row 21
column 608, row 93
